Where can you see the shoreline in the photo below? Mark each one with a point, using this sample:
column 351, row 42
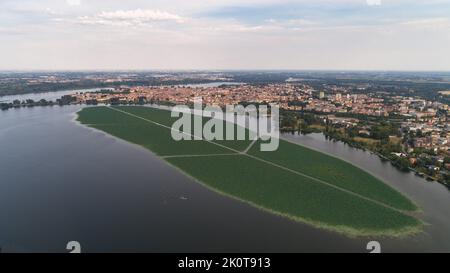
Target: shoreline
column 426, row 177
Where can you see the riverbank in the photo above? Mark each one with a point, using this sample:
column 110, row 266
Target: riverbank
column 391, row 140
column 391, row 159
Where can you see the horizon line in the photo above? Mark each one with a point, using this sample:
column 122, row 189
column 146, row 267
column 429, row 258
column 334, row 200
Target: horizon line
column 222, row 70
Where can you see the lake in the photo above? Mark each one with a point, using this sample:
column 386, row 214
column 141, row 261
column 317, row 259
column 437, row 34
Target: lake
column 60, row 181
column 49, row 96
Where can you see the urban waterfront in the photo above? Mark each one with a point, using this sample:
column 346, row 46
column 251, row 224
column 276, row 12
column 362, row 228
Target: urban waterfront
column 75, row 183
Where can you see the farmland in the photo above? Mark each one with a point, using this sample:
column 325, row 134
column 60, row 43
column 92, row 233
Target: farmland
column 294, row 181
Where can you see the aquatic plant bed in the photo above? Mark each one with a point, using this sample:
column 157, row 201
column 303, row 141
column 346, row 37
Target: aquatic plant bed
column 294, row 181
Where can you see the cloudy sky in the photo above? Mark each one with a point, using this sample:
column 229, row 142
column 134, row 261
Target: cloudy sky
column 225, row 34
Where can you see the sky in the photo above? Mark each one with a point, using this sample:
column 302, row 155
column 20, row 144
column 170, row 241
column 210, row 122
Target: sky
column 225, row 34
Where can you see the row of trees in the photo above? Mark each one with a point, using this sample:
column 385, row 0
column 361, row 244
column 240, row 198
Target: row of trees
column 65, row 100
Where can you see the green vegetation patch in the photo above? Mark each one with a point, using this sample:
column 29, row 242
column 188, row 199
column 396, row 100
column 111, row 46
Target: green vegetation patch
column 151, row 136
column 297, row 197
column 334, row 171
column 163, row 117
column 326, row 192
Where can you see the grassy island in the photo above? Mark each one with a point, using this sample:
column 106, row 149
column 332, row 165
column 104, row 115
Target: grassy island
column 294, row 181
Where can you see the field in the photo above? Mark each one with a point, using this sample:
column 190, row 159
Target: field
column 365, row 140
column 294, row 181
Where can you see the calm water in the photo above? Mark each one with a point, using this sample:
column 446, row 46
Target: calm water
column 53, row 96
column 60, row 181
column 49, row 96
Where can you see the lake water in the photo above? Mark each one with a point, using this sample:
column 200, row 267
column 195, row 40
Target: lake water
column 49, row 96
column 53, row 96
column 60, row 181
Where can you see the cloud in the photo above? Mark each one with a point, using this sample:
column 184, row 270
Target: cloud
column 237, row 34
column 131, row 17
column 429, row 22
column 73, row 2
column 374, row 2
